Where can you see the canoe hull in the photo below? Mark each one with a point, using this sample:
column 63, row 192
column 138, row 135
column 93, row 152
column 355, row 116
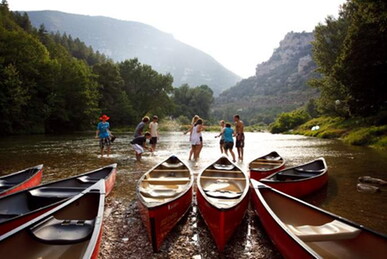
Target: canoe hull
column 25, row 216
column 301, row 230
column 266, row 165
column 287, row 246
column 34, row 180
column 160, row 220
column 258, row 175
column 222, row 222
column 300, row 188
column 71, row 230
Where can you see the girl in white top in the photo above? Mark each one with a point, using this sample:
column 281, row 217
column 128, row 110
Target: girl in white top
column 196, row 140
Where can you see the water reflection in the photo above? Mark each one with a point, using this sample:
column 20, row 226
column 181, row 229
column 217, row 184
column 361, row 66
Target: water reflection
column 68, row 155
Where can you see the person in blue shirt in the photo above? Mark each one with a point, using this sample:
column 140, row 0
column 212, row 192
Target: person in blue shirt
column 228, row 140
column 103, row 133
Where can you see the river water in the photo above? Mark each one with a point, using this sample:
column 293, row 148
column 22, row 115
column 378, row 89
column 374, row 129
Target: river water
column 67, row 155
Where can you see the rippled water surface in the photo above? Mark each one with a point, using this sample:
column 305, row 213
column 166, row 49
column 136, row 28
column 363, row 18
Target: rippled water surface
column 68, row 155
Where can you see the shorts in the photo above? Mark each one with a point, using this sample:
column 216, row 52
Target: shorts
column 221, row 142
column 228, row 145
column 139, row 149
column 153, row 141
column 240, row 140
column 104, row 142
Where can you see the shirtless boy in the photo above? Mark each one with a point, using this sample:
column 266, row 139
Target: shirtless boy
column 240, row 136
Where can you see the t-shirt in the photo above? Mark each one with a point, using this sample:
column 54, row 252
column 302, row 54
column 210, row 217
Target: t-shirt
column 103, row 129
column 139, row 140
column 153, row 128
column 227, row 133
column 139, row 129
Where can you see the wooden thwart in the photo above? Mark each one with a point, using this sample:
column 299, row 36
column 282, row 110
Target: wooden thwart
column 222, row 171
column 171, row 170
column 223, row 178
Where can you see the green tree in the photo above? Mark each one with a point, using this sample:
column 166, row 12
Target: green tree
column 148, row 90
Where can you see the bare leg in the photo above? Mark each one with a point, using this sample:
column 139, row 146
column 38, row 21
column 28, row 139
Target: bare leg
column 242, row 153
column 190, row 153
column 101, row 152
column 153, row 147
column 233, row 155
column 108, row 151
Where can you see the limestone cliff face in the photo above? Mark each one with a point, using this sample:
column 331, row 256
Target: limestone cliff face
column 279, row 84
column 294, row 48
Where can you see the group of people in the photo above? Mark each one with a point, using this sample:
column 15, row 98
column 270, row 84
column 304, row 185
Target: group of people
column 226, row 135
column 195, row 131
column 138, row 143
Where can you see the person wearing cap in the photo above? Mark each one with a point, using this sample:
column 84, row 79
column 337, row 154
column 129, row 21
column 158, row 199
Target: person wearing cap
column 153, row 128
column 103, row 134
column 140, row 127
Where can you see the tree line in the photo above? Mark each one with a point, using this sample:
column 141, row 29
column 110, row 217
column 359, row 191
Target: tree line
column 50, row 82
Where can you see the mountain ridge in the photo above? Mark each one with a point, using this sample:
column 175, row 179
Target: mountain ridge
column 279, row 85
column 121, row 40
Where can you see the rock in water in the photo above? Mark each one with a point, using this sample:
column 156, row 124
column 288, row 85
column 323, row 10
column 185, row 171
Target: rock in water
column 369, row 179
column 361, row 187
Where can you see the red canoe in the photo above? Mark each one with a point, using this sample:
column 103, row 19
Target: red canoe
column 20, row 207
column 222, row 199
column 71, row 230
column 164, row 196
column 300, row 180
column 301, row 230
column 266, row 165
column 21, row 180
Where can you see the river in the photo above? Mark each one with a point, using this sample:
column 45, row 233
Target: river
column 67, row 155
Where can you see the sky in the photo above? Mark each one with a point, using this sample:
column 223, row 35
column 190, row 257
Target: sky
column 239, row 34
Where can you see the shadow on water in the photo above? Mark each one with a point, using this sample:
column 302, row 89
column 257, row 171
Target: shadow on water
column 68, row 155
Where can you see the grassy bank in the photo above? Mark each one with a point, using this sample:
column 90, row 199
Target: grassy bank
column 356, row 131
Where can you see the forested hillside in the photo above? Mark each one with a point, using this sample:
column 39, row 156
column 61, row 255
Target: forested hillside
column 53, row 82
column 279, row 85
column 121, row 40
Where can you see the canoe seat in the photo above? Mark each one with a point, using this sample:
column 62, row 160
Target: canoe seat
column 334, row 230
column 6, row 184
column 223, row 167
column 223, row 194
column 56, row 192
column 172, row 165
column 159, row 193
column 309, row 171
column 88, row 179
column 295, row 175
column 54, row 231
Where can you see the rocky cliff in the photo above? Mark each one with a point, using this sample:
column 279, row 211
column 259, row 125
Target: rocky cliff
column 279, row 84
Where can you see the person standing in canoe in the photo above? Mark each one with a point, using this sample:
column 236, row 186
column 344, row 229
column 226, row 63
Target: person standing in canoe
column 140, row 127
column 138, row 145
column 221, row 135
column 240, row 136
column 103, row 134
column 196, row 140
column 153, row 127
column 228, row 140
